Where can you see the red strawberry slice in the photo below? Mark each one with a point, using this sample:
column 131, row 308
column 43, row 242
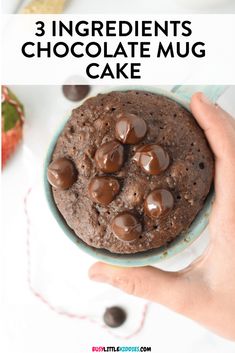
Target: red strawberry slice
column 12, row 123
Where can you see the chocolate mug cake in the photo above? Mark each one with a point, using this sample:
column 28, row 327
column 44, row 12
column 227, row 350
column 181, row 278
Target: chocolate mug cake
column 130, row 171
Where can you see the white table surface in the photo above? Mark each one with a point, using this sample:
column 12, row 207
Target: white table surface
column 28, row 326
column 60, row 273
column 136, row 6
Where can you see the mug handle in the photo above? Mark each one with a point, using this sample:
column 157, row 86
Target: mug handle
column 211, row 91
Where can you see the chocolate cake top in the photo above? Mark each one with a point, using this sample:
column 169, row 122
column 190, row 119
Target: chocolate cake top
column 130, row 171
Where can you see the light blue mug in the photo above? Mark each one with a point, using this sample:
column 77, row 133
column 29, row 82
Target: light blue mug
column 182, row 95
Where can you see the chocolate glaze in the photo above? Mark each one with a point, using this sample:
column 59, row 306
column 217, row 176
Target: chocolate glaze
column 153, row 159
column 103, row 189
column 126, row 226
column 130, row 128
column 158, row 203
column 61, row 173
column 110, row 156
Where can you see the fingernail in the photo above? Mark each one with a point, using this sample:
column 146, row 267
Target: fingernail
column 204, row 99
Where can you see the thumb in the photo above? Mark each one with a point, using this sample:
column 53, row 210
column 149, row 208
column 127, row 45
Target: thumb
column 217, row 124
column 175, row 290
column 219, row 128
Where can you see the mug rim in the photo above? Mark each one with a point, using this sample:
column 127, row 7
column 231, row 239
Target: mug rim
column 148, row 257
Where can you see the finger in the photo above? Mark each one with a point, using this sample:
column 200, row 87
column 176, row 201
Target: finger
column 219, row 128
column 175, row 290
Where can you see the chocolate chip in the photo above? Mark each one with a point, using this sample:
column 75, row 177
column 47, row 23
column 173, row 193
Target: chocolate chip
column 114, row 316
column 76, row 93
column 126, row 226
column 130, row 128
column 153, row 159
column 103, row 189
column 158, row 203
column 110, row 156
column 61, row 173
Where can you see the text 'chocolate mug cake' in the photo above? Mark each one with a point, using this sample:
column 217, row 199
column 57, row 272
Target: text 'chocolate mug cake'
column 130, row 171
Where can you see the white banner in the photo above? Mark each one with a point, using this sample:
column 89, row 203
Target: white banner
column 102, row 49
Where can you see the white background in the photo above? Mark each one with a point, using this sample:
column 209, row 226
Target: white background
column 26, row 325
column 217, row 67
column 60, row 271
column 136, row 6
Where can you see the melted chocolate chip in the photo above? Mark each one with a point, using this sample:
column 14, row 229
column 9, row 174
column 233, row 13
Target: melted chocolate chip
column 126, row 226
column 61, row 173
column 103, row 189
column 152, row 159
column 110, row 156
column 130, row 128
column 114, row 316
column 158, row 203
column 75, row 93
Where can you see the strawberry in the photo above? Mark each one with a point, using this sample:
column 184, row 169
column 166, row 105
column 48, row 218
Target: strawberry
column 12, row 123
